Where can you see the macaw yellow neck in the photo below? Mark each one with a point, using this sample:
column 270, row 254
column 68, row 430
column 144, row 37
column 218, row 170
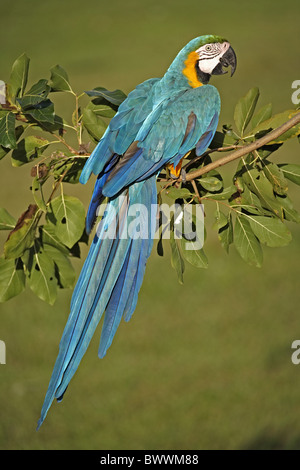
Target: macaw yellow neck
column 190, row 70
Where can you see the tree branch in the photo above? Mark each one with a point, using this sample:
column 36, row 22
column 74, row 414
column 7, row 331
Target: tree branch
column 208, row 152
column 244, row 150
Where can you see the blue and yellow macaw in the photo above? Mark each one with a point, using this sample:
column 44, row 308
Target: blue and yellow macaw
column 159, row 123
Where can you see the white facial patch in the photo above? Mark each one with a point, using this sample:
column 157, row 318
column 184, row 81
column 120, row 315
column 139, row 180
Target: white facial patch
column 210, row 54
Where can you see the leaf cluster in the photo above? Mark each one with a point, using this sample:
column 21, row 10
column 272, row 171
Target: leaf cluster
column 44, row 238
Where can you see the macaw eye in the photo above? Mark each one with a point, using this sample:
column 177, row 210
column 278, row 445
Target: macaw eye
column 208, row 48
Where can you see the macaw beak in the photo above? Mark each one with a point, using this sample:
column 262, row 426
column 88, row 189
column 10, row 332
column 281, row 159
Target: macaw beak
column 227, row 59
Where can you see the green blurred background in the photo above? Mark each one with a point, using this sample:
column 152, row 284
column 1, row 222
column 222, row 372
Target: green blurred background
column 206, row 365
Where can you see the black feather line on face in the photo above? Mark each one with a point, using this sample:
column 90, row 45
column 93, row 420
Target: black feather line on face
column 202, row 76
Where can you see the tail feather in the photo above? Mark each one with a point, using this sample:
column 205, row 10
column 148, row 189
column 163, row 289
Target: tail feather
column 109, row 281
column 115, row 307
column 124, row 296
column 136, row 285
column 95, row 304
column 147, row 244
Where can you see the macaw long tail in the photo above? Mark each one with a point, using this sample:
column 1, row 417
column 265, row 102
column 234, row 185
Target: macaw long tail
column 109, row 281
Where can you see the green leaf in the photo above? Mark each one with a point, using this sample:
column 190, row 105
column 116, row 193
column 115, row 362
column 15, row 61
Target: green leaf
column 244, row 109
column 18, row 132
column 276, row 177
column 225, row 228
column 276, row 121
column 47, row 235
column 258, row 183
column 18, row 77
column 22, row 236
column 196, row 256
column 59, row 80
column 3, row 112
column 42, row 112
column 68, row 216
column 66, row 273
column 211, row 183
column 179, row 193
column 28, row 149
column 246, row 242
column 224, row 195
column 220, row 219
column 176, row 258
column 12, row 278
column 7, row 222
column 101, row 110
column 37, row 93
column 7, row 131
column 40, row 270
column 262, row 115
column 270, row 230
column 41, row 87
column 115, row 97
column 291, row 171
column 58, row 124
column 93, row 124
column 225, row 234
column 249, row 202
column 289, row 211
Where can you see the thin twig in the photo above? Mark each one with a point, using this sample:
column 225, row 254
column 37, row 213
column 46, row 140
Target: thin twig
column 75, row 152
column 208, row 152
column 196, row 191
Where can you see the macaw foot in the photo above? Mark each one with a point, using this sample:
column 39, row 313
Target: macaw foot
column 175, row 171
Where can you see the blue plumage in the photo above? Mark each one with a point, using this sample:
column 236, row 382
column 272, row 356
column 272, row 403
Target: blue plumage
column 159, row 122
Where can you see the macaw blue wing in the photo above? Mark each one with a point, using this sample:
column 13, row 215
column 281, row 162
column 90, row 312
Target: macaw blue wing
column 175, row 126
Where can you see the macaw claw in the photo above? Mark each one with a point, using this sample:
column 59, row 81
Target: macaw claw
column 175, row 171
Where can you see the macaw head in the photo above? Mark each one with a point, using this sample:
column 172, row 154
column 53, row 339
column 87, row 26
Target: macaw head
column 205, row 56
